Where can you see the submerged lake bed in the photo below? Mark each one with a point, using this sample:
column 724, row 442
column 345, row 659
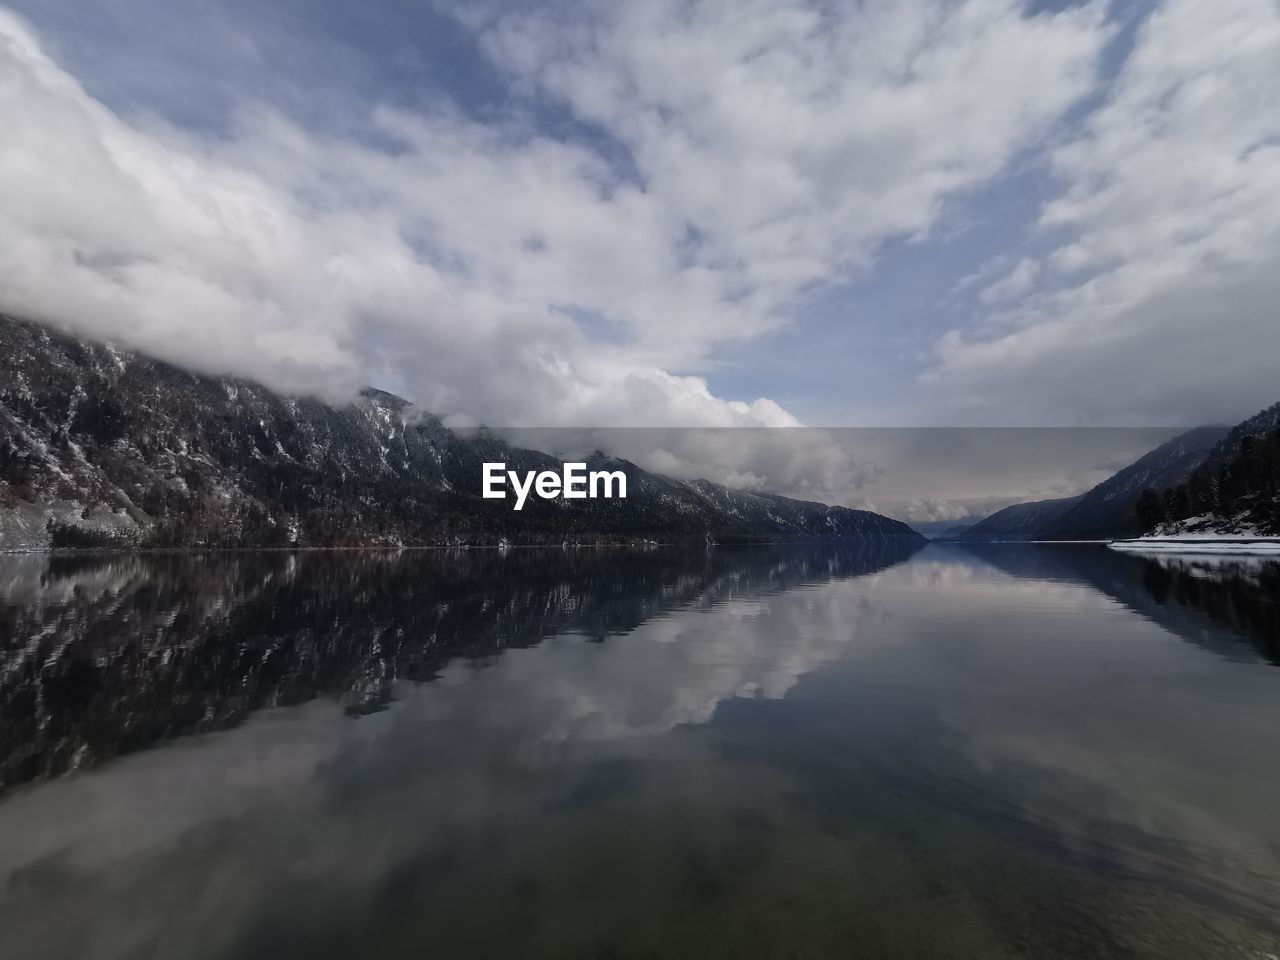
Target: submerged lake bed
column 795, row 751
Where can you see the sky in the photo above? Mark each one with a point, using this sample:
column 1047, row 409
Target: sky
column 675, row 213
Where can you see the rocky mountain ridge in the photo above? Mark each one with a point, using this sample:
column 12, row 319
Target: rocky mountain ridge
column 101, row 447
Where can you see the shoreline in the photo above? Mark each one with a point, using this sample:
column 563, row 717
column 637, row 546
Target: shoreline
column 1213, row 545
column 401, row 548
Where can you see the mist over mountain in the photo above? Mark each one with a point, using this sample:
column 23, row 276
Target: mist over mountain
column 1108, row 510
column 101, row 447
column 1234, row 491
column 1262, row 424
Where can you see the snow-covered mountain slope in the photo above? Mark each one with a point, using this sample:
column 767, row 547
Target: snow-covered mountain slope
column 103, row 447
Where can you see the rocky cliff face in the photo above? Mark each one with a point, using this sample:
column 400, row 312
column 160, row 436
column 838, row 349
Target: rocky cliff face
column 102, row 447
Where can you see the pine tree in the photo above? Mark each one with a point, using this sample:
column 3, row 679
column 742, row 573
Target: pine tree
column 1178, row 502
column 1151, row 510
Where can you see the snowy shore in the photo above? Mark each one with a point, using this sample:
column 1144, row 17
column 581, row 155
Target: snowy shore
column 1202, row 543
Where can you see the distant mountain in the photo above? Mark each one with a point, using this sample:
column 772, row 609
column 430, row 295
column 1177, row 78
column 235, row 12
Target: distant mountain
column 943, row 529
column 1107, row 512
column 103, row 447
column 1235, row 490
column 1021, row 521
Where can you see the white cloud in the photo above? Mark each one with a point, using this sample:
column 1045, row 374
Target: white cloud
column 794, row 138
column 315, row 265
column 1170, row 270
column 775, row 148
column 1018, row 282
column 982, row 274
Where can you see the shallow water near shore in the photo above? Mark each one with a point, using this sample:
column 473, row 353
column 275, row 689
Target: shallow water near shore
column 803, row 751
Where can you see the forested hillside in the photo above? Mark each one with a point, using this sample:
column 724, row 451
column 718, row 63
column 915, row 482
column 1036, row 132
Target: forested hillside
column 1235, row 491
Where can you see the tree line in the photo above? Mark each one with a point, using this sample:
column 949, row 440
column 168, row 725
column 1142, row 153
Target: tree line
column 1246, row 485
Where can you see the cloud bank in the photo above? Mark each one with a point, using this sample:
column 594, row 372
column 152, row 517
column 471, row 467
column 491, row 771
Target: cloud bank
column 506, row 272
column 1155, row 300
column 653, row 189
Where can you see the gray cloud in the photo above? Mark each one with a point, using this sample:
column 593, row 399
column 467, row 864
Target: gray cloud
column 1159, row 302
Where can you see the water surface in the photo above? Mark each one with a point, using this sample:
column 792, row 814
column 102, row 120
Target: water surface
column 1005, row 751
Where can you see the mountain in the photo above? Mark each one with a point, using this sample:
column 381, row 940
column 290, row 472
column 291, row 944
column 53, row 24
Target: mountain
column 1107, row 512
column 944, row 529
column 1264, row 423
column 101, row 447
column 1234, row 491
column 1021, row 521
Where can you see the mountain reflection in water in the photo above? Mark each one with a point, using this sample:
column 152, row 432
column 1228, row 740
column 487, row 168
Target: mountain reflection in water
column 109, row 654
column 802, row 751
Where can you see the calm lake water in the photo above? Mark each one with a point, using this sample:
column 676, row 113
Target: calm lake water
column 998, row 752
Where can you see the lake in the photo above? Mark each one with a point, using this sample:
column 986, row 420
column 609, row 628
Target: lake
column 989, row 751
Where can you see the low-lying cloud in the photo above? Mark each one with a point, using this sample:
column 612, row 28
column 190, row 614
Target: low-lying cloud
column 661, row 183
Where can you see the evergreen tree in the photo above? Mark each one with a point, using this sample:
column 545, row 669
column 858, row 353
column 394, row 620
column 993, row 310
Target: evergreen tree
column 1244, row 489
column 1178, row 502
column 1151, row 510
